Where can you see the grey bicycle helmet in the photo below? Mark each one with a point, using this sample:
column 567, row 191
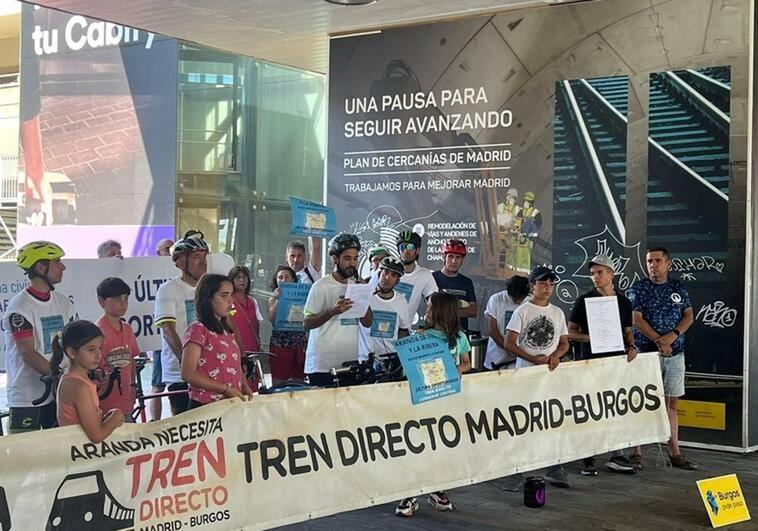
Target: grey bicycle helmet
column 193, row 241
column 343, row 242
column 392, row 264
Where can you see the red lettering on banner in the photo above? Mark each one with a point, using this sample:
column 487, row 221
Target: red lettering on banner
column 135, row 462
column 172, row 467
column 183, row 462
column 177, row 504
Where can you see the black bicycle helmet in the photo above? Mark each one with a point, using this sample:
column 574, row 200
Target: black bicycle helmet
column 343, row 242
column 408, row 236
column 392, row 264
column 193, row 241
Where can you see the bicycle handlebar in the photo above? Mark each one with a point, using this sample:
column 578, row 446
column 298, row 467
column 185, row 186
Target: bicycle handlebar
column 49, row 380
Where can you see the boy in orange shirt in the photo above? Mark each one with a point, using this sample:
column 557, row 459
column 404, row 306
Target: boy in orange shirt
column 119, row 346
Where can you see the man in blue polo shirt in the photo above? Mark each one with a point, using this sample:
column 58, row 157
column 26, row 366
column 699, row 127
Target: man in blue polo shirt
column 662, row 314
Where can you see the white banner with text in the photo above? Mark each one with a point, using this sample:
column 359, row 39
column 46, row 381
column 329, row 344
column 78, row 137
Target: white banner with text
column 235, row 465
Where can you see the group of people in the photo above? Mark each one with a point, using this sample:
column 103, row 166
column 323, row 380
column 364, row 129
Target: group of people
column 209, row 321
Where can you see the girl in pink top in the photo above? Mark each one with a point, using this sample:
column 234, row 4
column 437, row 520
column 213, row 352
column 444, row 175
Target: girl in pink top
column 211, row 361
column 82, row 342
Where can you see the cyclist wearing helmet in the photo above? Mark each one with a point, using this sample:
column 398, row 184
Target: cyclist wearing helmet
column 376, row 255
column 332, row 340
column 389, row 311
column 450, row 280
column 32, row 319
column 175, row 309
column 417, row 282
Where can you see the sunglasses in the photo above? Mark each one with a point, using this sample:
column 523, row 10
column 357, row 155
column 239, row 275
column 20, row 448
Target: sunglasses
column 407, row 247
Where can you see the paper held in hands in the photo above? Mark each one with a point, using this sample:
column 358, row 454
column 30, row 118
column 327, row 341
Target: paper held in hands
column 360, row 294
column 604, row 322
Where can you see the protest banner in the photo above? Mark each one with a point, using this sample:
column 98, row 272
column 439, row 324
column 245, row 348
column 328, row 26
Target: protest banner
column 289, row 313
column 312, row 219
column 429, row 367
column 143, row 275
column 285, row 458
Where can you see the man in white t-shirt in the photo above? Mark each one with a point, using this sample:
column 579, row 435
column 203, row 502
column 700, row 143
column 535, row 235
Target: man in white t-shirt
column 33, row 317
column 537, row 334
column 294, row 255
column 175, row 309
column 418, row 282
column 389, row 313
column 499, row 310
column 331, row 339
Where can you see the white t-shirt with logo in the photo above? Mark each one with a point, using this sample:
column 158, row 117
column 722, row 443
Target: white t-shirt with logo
column 416, row 286
column 539, row 328
column 390, row 315
column 302, row 275
column 47, row 319
column 175, row 302
column 335, row 341
column 500, row 307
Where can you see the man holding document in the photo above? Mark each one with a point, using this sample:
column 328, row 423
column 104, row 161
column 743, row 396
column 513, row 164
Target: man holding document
column 601, row 322
column 335, row 304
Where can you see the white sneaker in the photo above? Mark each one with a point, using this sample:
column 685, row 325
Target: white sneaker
column 407, row 507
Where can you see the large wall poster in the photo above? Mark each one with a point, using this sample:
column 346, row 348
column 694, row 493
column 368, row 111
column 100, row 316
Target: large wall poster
column 582, row 104
column 415, row 142
column 98, row 133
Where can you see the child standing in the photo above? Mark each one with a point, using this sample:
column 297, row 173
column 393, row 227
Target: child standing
column 211, row 361
column 119, row 346
column 537, row 335
column 82, row 343
column 442, row 321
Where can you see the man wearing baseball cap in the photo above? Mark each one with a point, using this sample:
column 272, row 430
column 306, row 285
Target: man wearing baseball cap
column 537, row 335
column 602, row 270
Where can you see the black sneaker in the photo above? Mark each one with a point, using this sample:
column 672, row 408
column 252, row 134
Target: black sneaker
column 620, row 464
column 558, row 477
column 589, row 467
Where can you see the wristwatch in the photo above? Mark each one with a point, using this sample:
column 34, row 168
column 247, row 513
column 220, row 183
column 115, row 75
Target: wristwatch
column 676, row 332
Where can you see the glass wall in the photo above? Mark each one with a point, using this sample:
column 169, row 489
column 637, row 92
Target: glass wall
column 250, row 134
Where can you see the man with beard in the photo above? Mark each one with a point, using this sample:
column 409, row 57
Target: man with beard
column 417, row 282
column 332, row 340
column 450, row 280
column 175, row 310
column 389, row 310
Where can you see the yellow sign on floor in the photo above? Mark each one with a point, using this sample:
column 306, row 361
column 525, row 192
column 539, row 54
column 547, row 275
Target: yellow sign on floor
column 697, row 414
column 723, row 500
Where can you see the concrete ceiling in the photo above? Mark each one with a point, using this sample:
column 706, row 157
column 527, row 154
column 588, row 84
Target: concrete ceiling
column 290, row 32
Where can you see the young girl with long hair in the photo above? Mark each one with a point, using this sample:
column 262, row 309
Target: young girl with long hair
column 78, row 403
column 442, row 321
column 288, row 346
column 211, row 360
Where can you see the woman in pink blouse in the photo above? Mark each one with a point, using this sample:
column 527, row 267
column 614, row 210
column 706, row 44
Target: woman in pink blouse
column 211, row 361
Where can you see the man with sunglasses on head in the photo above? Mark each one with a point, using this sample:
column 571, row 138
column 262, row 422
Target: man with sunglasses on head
column 418, row 282
column 450, row 280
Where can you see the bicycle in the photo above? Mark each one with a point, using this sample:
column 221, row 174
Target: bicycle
column 254, row 373
column 139, row 396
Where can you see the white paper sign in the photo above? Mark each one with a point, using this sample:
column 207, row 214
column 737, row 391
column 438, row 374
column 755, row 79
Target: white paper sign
column 360, row 294
column 143, row 275
column 604, row 324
